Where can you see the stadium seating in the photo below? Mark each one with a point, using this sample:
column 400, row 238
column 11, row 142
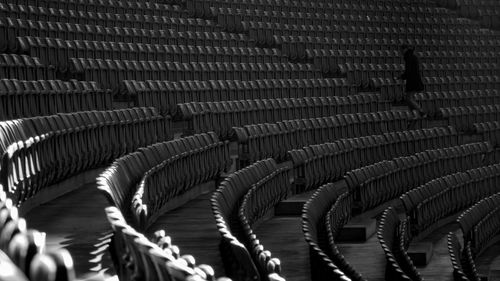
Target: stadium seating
column 431, row 102
column 275, row 139
column 175, row 176
column 375, row 184
column 120, row 181
column 135, row 187
column 479, row 225
column 226, row 203
column 426, row 205
column 222, row 116
column 315, row 165
column 136, row 257
column 339, row 214
column 464, row 117
column 314, row 227
column 167, row 94
column 42, row 151
column 301, row 91
column 394, row 242
column 260, row 199
column 23, row 98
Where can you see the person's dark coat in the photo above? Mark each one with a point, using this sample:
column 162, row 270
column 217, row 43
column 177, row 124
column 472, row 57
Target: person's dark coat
column 412, row 72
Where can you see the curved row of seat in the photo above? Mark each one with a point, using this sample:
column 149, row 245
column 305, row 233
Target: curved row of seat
column 165, row 95
column 314, row 217
column 391, row 88
column 137, row 257
column 259, row 141
column 430, row 202
column 375, row 184
column 128, row 20
column 259, row 200
column 432, row 101
column 480, row 223
column 319, row 164
column 464, row 117
column 21, row 98
column 239, row 261
column 42, row 151
column 393, row 236
column 177, row 175
column 155, row 8
column 110, row 73
column 147, row 172
column 425, row 207
column 331, row 206
column 24, row 67
column 23, row 252
column 328, row 59
column 480, row 227
column 222, row 116
column 340, row 213
column 488, row 130
column 11, row 28
column 57, row 52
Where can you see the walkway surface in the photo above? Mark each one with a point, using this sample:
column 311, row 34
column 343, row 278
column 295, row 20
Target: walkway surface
column 76, row 222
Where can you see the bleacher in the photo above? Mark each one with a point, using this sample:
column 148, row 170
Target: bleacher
column 282, row 120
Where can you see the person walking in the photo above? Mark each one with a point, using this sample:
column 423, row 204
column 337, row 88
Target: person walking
column 413, row 78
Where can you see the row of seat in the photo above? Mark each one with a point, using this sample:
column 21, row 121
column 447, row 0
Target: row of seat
column 136, row 19
column 165, row 95
column 427, row 205
column 377, row 183
column 152, row 8
column 265, row 32
column 296, row 46
column 324, row 266
column 120, row 181
column 486, row 12
column 226, row 203
column 461, row 259
column 144, row 119
column 339, row 214
column 464, row 117
column 318, row 164
column 20, row 98
column 321, row 6
column 431, row 202
column 42, row 151
column 259, row 141
column 329, row 60
column 176, row 176
column 249, row 11
column 480, row 223
column 393, row 236
column 432, row 101
column 338, row 8
column 11, row 28
column 57, row 52
column 137, row 257
column 480, row 227
column 392, row 89
column 259, row 200
column 222, row 116
column 109, row 73
column 23, row 252
column 24, row 67
column 488, row 130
